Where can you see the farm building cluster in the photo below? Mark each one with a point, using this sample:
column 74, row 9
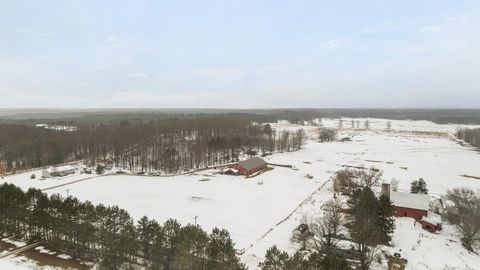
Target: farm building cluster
column 415, row 206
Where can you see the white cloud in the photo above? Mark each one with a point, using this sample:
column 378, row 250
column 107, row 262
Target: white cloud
column 431, row 28
column 218, row 73
column 139, row 75
column 47, row 35
column 113, row 42
column 388, row 26
column 332, row 44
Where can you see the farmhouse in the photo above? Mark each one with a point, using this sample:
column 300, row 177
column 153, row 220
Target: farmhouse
column 58, row 171
column 249, row 166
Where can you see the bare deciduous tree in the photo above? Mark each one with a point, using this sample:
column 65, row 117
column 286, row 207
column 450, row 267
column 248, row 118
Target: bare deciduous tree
column 463, row 211
column 326, row 228
column 323, row 231
column 344, row 181
column 369, row 177
column 327, row 134
column 394, row 184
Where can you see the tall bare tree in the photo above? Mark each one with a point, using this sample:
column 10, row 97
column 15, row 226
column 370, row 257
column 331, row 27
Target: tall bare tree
column 463, row 211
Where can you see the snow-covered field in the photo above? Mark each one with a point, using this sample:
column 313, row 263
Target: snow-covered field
column 249, row 209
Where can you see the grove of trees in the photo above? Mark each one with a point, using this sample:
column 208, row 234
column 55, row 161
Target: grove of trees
column 108, row 236
column 471, row 136
column 167, row 145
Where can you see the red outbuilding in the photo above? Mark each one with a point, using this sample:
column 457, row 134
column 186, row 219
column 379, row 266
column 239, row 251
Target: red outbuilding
column 432, row 222
column 249, row 166
column 415, row 206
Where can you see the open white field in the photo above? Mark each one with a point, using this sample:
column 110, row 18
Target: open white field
column 249, row 210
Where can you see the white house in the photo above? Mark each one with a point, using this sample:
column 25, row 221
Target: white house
column 58, row 171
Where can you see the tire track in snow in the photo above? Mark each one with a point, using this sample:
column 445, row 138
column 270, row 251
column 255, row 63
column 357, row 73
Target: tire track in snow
column 309, row 197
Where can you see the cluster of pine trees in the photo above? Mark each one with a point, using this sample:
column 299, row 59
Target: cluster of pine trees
column 109, row 236
column 168, row 145
column 471, row 136
column 370, row 223
column 281, row 260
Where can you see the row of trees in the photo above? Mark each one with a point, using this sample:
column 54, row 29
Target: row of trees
column 109, row 236
column 169, row 145
column 471, row 136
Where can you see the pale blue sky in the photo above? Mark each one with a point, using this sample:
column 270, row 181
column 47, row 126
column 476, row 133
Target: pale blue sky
column 240, row 54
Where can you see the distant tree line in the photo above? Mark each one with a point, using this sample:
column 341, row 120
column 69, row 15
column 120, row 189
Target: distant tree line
column 108, row 236
column 471, row 136
column 169, row 145
column 72, row 117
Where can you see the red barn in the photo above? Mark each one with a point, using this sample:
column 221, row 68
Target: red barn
column 409, row 205
column 414, row 206
column 249, row 166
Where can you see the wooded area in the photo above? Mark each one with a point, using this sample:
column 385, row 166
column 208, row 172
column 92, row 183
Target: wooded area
column 109, row 236
column 167, row 145
column 471, row 136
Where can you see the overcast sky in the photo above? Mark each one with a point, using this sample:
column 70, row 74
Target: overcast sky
column 240, row 53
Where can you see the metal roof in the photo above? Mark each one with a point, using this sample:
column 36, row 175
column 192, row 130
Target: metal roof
column 252, row 163
column 409, row 200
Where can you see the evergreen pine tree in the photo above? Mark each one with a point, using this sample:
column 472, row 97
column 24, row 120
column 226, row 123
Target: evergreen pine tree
column 386, row 222
column 274, row 259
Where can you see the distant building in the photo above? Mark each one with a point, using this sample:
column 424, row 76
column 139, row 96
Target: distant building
column 58, row 128
column 58, row 171
column 249, row 166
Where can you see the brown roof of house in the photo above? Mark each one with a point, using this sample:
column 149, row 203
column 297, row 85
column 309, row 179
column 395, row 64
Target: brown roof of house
column 252, row 163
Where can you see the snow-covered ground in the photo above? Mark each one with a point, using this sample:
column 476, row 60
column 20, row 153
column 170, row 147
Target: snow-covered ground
column 20, row 263
column 249, row 209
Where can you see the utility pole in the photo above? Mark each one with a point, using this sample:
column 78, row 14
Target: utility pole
column 196, row 217
column 68, row 190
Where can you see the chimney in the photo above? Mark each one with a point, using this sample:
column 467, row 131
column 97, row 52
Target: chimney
column 386, row 189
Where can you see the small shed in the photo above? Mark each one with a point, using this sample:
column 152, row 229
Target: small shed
column 432, row 222
column 230, row 171
column 249, row 166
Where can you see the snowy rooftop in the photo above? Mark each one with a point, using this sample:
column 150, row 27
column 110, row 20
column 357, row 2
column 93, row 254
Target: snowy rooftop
column 252, row 163
column 61, row 168
column 432, row 218
column 409, row 200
